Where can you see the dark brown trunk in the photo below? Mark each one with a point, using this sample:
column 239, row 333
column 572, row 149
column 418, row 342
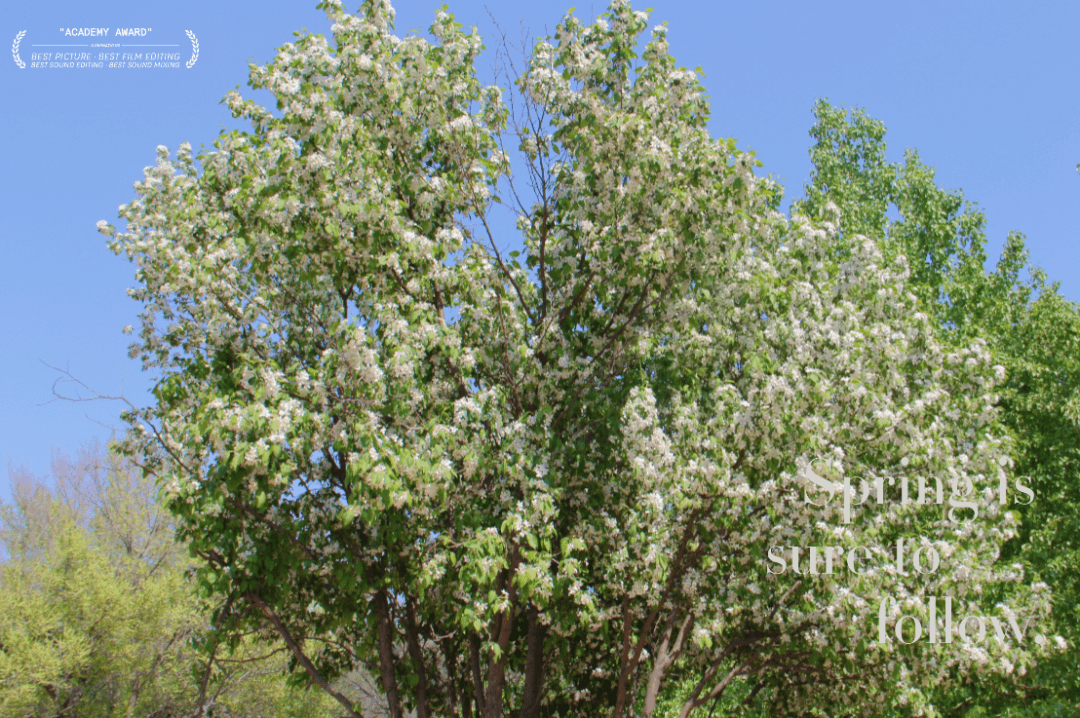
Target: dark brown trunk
column 452, row 684
column 493, row 700
column 466, row 706
column 624, row 661
column 386, row 653
column 534, row 666
column 497, row 670
column 478, row 681
column 422, row 710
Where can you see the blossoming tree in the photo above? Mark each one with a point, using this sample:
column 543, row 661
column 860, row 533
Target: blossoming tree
column 550, row 482
column 1030, row 328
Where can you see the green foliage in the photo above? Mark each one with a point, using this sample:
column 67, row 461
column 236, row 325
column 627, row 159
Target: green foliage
column 939, row 233
column 741, row 701
column 550, row 485
column 97, row 614
column 1033, row 332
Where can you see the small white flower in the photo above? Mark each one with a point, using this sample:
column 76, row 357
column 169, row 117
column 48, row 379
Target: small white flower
column 290, row 86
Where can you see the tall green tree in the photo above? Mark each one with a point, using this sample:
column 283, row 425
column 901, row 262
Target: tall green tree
column 98, row 616
column 1032, row 331
column 547, row 483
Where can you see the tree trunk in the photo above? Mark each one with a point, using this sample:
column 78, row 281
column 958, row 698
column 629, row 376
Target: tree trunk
column 497, row 670
column 386, row 653
column 422, row 710
column 534, row 666
column 478, row 681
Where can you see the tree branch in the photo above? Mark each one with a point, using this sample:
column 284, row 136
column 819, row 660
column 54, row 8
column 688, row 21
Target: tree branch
column 299, row 655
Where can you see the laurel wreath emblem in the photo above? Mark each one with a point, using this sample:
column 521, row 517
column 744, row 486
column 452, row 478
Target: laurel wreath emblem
column 194, row 49
column 15, row 50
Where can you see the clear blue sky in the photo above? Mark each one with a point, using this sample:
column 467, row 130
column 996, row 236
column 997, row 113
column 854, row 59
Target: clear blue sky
column 987, row 91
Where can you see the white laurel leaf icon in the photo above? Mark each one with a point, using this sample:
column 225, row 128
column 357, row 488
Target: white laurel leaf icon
column 15, row 50
column 194, row 49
